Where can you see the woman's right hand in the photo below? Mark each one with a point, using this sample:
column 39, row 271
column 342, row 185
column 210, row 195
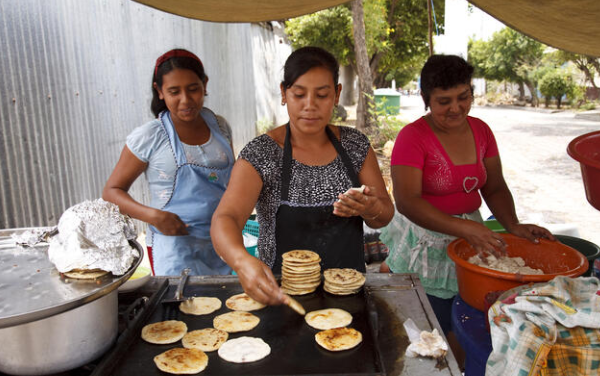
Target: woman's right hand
column 169, row 223
column 258, row 281
column 484, row 240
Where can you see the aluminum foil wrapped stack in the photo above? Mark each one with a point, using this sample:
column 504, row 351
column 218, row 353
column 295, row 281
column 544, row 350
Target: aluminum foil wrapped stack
column 93, row 235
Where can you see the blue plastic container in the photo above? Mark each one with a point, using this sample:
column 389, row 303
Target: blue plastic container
column 468, row 324
column 251, row 228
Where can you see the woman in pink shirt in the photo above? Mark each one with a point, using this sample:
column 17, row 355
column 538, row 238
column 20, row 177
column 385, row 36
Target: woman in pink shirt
column 440, row 165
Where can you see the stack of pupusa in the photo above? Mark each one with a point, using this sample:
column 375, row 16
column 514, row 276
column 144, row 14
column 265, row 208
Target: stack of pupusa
column 343, row 281
column 300, row 272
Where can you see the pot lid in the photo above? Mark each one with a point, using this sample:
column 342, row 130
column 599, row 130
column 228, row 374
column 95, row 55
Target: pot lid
column 32, row 289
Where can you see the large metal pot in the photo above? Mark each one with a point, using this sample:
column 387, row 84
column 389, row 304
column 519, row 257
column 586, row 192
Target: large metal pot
column 61, row 342
column 48, row 323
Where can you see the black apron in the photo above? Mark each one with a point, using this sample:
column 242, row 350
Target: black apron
column 337, row 240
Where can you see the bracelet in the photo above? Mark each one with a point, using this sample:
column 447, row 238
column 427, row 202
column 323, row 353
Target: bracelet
column 375, row 217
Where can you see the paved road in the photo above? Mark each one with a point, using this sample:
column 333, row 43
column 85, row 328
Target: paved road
column 545, row 182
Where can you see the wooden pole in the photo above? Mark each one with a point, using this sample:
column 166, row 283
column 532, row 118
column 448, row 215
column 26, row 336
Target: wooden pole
column 365, row 81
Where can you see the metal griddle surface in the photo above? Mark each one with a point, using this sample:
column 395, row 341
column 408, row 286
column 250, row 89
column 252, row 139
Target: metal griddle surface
column 293, row 347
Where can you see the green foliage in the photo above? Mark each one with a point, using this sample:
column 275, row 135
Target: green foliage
column 330, row 29
column 588, row 106
column 576, row 97
column 555, row 84
column 335, row 117
column 501, row 57
column 396, row 36
column 264, row 125
column 386, row 126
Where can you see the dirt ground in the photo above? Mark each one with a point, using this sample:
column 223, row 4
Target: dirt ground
column 545, row 181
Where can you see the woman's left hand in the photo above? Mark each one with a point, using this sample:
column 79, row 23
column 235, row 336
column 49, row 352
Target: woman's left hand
column 354, row 203
column 531, row 232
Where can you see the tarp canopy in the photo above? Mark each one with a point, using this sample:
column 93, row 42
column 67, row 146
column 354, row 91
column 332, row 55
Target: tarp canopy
column 571, row 25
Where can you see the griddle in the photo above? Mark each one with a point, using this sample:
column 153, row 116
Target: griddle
column 293, row 348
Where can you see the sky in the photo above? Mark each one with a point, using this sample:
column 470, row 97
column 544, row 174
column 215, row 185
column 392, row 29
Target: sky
column 464, row 21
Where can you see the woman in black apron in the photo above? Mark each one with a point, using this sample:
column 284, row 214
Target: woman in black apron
column 299, row 177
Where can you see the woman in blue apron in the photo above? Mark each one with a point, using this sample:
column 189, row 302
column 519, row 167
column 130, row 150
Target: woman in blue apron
column 299, row 177
column 187, row 157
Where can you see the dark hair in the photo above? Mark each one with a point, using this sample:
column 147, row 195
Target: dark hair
column 180, row 62
column 306, row 58
column 444, row 72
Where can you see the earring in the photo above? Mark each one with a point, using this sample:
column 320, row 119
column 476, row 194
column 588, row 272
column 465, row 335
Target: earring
column 282, row 102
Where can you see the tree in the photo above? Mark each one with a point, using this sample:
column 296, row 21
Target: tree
column 556, row 83
column 396, row 36
column 365, row 84
column 586, row 64
column 511, row 56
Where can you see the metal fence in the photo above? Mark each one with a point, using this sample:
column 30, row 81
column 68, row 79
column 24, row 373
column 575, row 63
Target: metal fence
column 75, row 79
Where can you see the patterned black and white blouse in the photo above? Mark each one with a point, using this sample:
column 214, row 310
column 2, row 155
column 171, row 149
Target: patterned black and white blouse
column 309, row 185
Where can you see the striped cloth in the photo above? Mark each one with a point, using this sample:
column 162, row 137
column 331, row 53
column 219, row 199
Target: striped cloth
column 549, row 329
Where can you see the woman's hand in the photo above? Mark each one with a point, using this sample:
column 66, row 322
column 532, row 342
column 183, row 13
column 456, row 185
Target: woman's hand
column 531, row 232
column 482, row 239
column 169, row 223
column 353, row 203
column 258, row 281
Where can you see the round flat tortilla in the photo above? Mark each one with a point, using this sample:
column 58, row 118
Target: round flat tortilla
column 180, row 361
column 236, row 321
column 300, row 286
column 334, row 286
column 343, row 276
column 209, row 339
column 328, row 318
column 301, row 265
column 200, row 305
column 343, row 281
column 296, row 292
column 244, row 350
column 338, row 339
column 300, row 256
column 302, row 278
column 242, row 302
column 341, row 292
column 164, row 332
column 285, row 270
column 85, row 274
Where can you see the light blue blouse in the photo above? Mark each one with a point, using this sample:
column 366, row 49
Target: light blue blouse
column 150, row 144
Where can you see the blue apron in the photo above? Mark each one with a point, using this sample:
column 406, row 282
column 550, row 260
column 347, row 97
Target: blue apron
column 196, row 194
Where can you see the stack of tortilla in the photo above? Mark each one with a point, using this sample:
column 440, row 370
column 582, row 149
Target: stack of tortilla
column 343, row 281
column 300, row 272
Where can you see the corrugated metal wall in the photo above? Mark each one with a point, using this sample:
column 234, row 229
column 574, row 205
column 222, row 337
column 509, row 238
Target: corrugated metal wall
column 75, row 79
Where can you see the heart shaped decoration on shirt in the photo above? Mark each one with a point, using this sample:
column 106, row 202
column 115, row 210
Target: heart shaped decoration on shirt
column 470, row 183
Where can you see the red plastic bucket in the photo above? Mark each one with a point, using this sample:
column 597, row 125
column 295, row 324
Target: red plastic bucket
column 585, row 149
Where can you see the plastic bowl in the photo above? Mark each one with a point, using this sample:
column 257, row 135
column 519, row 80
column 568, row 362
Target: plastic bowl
column 475, row 282
column 590, row 250
column 137, row 279
column 585, row 149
